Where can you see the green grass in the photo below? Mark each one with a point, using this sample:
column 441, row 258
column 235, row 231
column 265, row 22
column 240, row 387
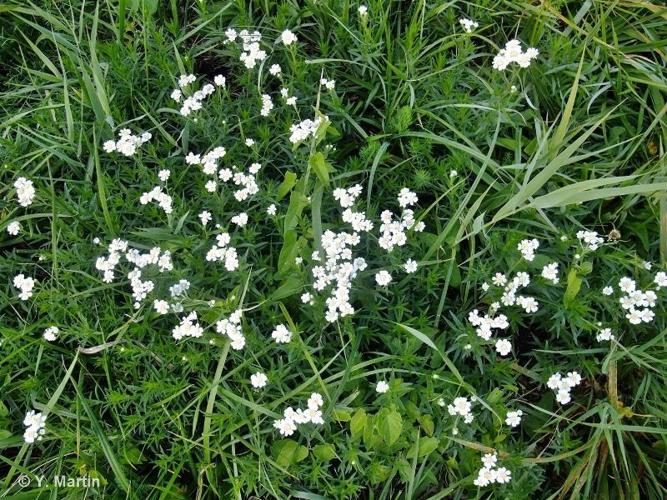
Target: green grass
column 578, row 144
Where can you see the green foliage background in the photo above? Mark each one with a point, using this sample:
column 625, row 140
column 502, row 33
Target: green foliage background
column 578, row 144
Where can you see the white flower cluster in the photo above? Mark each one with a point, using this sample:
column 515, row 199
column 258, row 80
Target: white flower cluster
column 281, row 334
column 127, row 143
column 638, row 303
column 290, row 101
column 382, row 278
column 258, row 380
column 288, row 38
column 35, row 426
column 156, row 194
column 209, row 161
column 222, row 251
column 550, row 272
column 527, row 248
column 590, row 239
column 510, row 298
column 513, row 53
column 604, row 335
column 463, row 407
column 468, row 24
column 339, row 268
column 251, row 49
column 490, row 474
column 51, row 333
column 25, row 284
column 25, row 191
column 188, row 327
column 232, row 328
column 382, row 387
column 194, row 101
column 328, row 84
column 13, row 228
column 291, row 418
column 513, row 418
column 267, row 105
column 393, row 231
column 485, row 324
column 140, row 289
column 305, row 129
column 563, row 385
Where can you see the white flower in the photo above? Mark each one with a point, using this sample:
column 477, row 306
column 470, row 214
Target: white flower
column 281, row 334
column 285, row 426
column 14, row 227
column 35, row 426
column 185, row 80
column 161, row 306
column 275, row 69
column 249, row 142
column 590, row 239
column 205, row 217
column 363, row 10
column 607, row 290
column 410, row 266
column 271, row 209
column 627, row 285
column 164, row 174
column 527, row 248
column 563, row 396
column 258, row 380
column 382, row 278
column 287, row 37
column 381, row 387
column 489, row 460
column 503, row 347
column 240, row 220
column 468, row 24
column 219, row 80
column 550, row 272
column 25, row 285
column 461, row 406
column 301, row 131
column 25, row 191
column 660, row 279
column 513, row 418
column 503, row 475
column 499, row 279
column 513, row 53
column 51, row 333
column 406, row 198
column 267, row 105
column 604, row 334
column 315, row 401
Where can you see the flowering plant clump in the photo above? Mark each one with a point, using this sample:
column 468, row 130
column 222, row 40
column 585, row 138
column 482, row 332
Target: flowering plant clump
column 333, row 250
